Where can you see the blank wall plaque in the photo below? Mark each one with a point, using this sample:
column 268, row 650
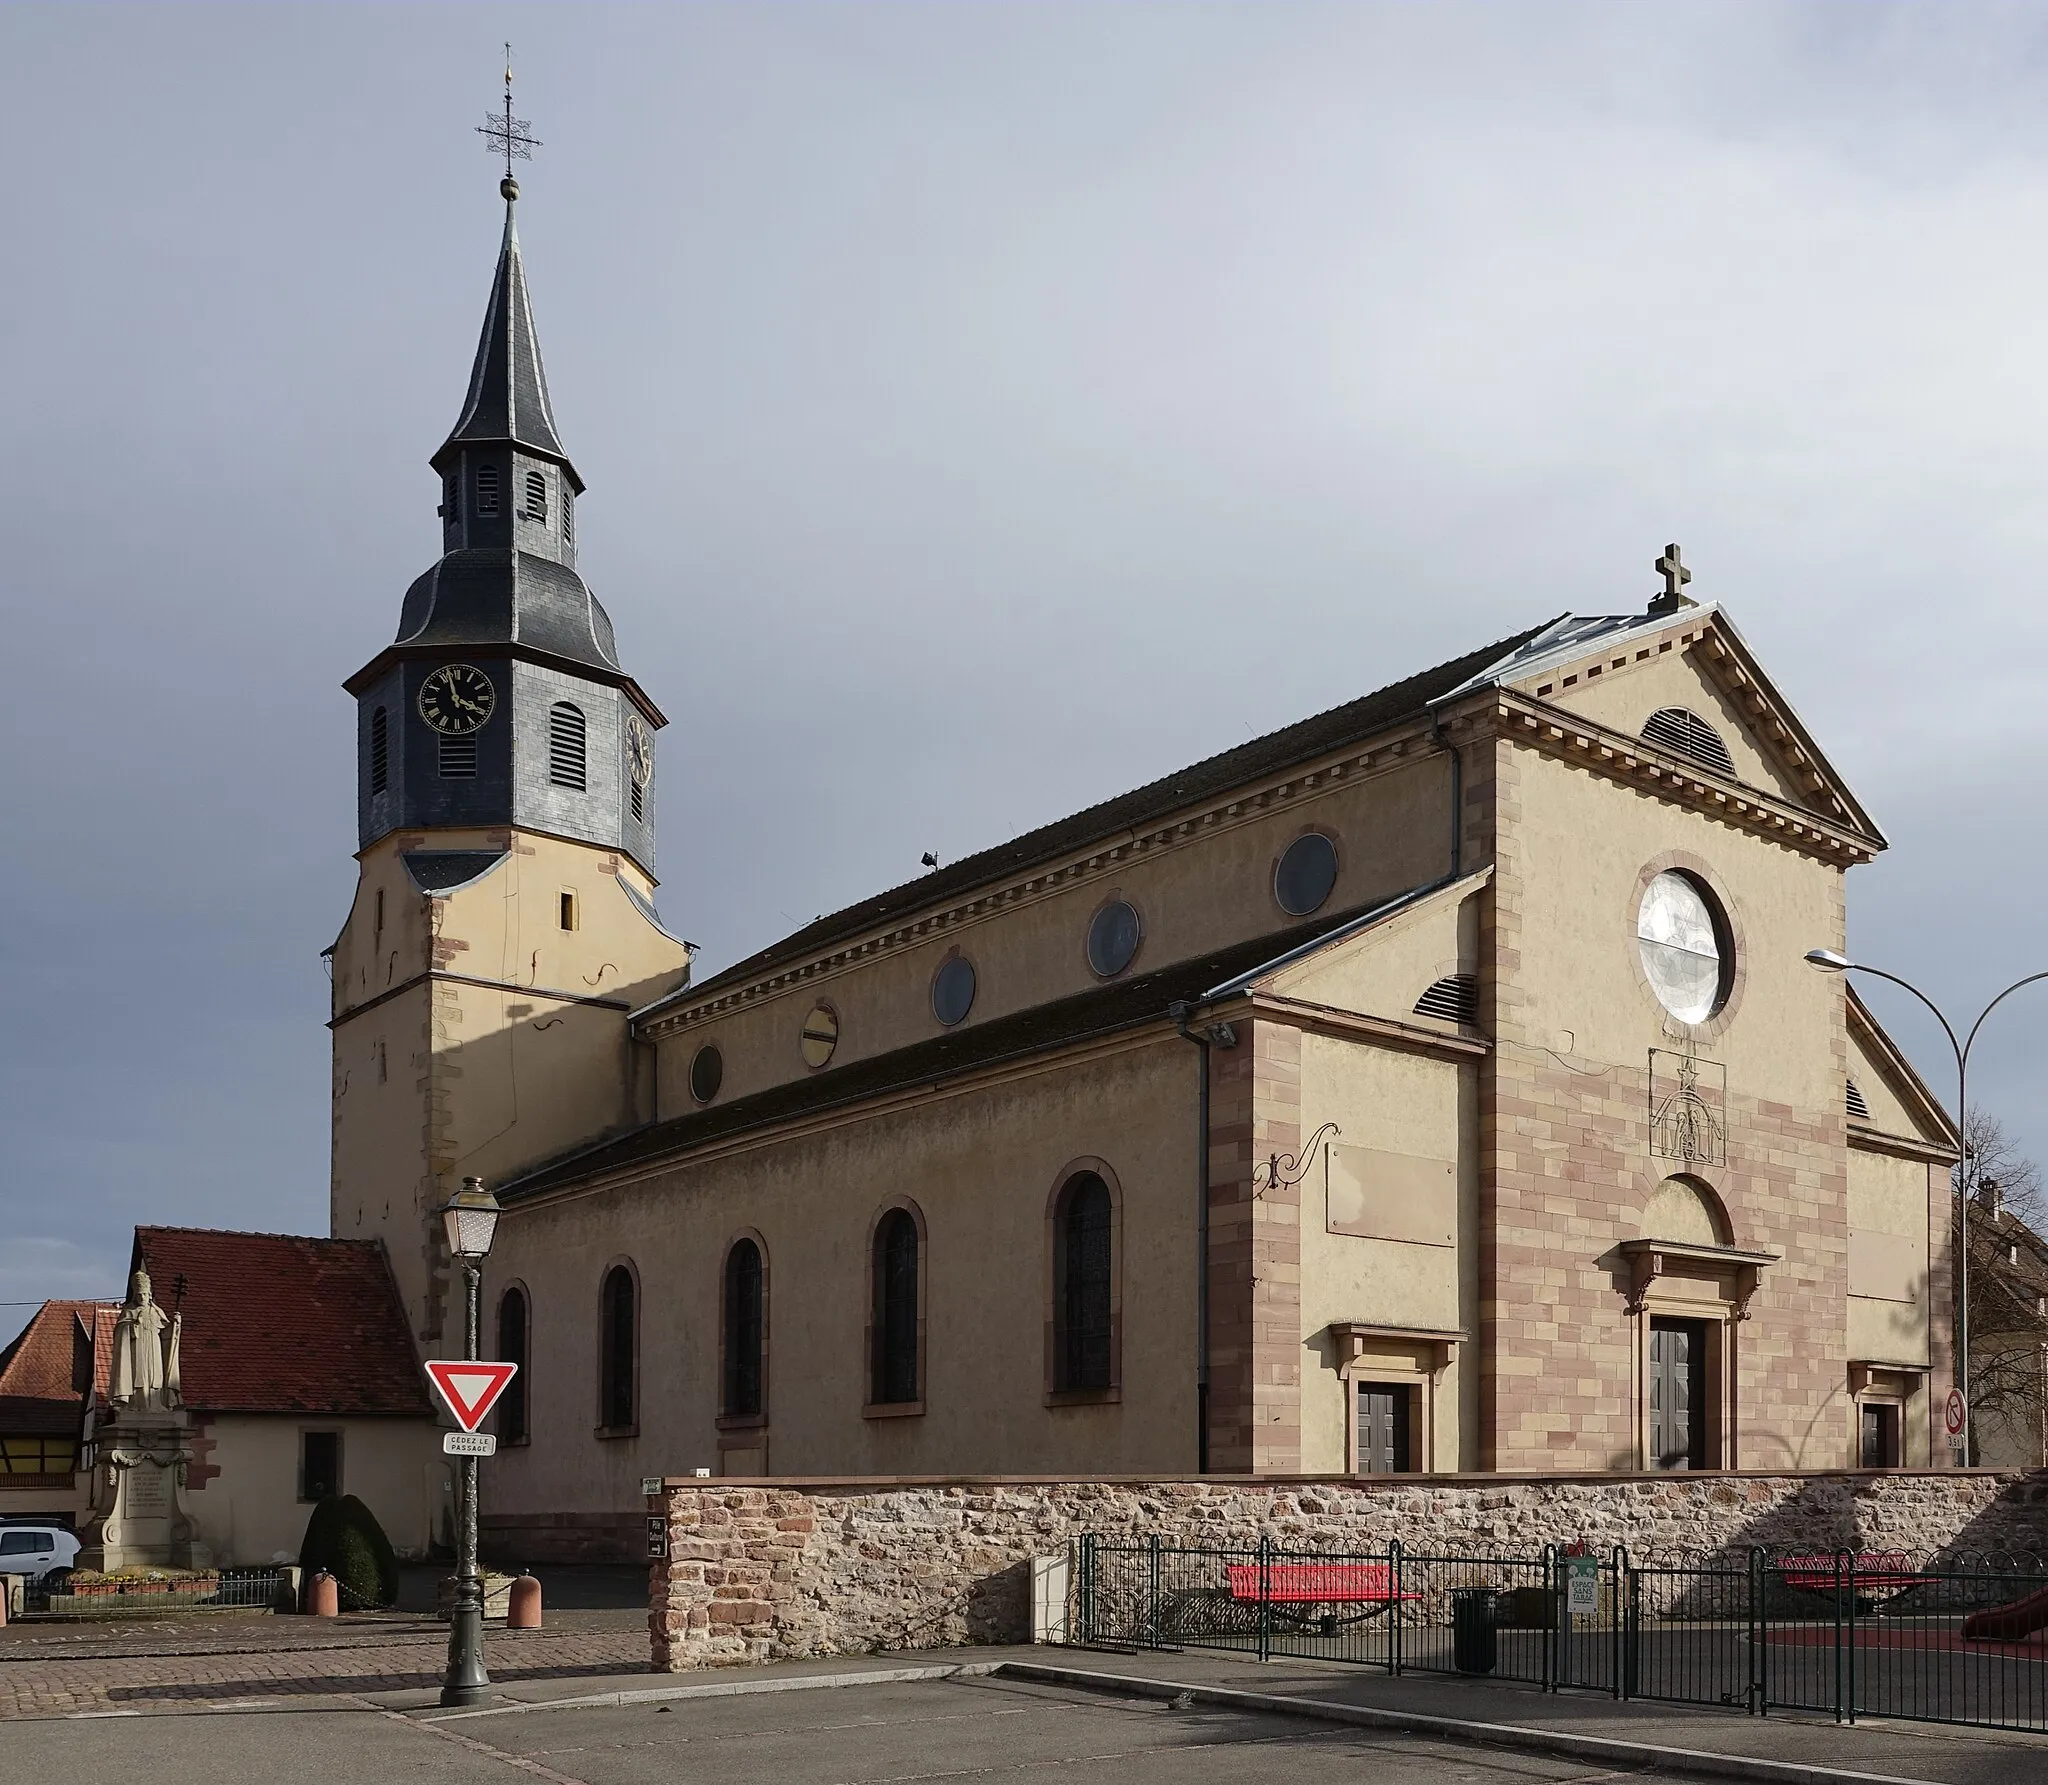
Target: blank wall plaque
column 1392, row 1196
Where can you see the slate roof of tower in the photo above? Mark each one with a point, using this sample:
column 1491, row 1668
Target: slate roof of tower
column 46, row 1370
column 1277, row 750
column 285, row 1323
column 508, row 390
column 496, row 595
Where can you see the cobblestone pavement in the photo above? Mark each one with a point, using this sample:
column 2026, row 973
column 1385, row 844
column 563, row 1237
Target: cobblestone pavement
column 72, row 1670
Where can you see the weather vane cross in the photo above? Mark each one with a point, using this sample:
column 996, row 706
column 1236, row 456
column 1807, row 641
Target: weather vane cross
column 508, row 136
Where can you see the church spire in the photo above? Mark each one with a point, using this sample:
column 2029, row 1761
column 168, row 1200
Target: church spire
column 507, row 402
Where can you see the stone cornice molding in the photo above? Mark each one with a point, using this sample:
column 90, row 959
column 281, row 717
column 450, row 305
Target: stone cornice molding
column 1898, row 1146
column 437, row 975
column 1615, row 755
column 1352, row 1025
column 1399, row 747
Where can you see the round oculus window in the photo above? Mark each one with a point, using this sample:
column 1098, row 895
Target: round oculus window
column 707, row 1073
column 1682, row 940
column 953, row 989
column 820, row 1034
column 1112, row 938
column 1307, row 872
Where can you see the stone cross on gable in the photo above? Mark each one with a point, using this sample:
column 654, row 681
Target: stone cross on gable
column 1672, row 569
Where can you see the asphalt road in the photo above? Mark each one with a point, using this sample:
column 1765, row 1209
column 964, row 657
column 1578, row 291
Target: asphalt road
column 955, row 1730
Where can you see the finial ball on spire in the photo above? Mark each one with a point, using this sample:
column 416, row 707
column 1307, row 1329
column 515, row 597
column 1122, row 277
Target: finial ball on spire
column 509, row 189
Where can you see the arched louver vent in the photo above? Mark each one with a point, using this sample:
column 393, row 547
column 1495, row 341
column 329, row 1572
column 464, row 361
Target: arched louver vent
column 536, row 496
column 565, row 746
column 380, row 750
column 568, row 514
column 1453, row 999
column 487, row 489
column 1858, row 1108
column 1685, row 733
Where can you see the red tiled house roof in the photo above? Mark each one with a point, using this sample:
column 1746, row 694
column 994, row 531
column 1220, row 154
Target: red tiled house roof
column 47, row 1370
column 283, row 1323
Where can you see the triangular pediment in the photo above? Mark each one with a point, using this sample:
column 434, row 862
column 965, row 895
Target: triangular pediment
column 1387, row 963
column 1894, row 1099
column 1687, row 684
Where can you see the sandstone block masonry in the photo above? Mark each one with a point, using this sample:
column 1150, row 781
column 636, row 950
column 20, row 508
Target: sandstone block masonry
column 783, row 1570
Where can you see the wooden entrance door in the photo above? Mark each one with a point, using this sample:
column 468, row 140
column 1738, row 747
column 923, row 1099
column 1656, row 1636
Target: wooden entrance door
column 1678, row 1394
column 1385, row 1429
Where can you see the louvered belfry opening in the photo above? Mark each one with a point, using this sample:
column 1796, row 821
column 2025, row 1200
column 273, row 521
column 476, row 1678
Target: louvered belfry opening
column 380, row 750
column 567, row 765
column 1685, row 733
column 536, row 496
column 487, row 489
column 458, row 758
column 1452, row 999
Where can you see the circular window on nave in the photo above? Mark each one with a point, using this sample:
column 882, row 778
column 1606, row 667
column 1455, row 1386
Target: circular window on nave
column 1307, row 872
column 953, row 989
column 1112, row 938
column 707, row 1073
column 820, row 1034
column 1683, row 940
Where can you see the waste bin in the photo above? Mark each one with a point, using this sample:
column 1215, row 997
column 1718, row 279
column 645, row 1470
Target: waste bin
column 1473, row 1648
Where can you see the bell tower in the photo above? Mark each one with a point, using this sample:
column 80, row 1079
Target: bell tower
column 504, row 924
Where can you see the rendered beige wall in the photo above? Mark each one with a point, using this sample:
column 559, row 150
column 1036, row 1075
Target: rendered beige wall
column 250, row 1513
column 450, row 1078
column 982, row 1162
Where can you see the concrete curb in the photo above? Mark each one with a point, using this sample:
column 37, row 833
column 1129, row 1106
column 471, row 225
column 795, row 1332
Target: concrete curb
column 803, row 1682
column 1459, row 1729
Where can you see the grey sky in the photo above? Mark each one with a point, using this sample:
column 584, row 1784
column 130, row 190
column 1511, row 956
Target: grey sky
column 986, row 408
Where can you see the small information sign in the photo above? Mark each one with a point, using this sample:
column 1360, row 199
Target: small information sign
column 1582, row 1585
column 469, row 1444
column 657, row 1539
column 650, row 1484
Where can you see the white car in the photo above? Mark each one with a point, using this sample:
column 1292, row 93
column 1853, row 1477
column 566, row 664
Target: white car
column 37, row 1551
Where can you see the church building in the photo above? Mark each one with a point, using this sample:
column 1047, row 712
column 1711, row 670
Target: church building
column 1434, row 1085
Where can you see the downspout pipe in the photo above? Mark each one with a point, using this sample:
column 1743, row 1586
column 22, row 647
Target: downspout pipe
column 1219, row 1035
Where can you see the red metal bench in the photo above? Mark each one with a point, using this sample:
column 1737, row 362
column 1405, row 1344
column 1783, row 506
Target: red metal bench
column 1871, row 1574
column 1298, row 1587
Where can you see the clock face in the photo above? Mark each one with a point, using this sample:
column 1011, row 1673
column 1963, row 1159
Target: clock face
column 457, row 698
column 640, row 747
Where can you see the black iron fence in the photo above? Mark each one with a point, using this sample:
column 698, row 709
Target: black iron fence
column 1849, row 1633
column 141, row 1592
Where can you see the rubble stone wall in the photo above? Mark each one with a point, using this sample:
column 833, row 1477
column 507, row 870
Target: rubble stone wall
column 771, row 1571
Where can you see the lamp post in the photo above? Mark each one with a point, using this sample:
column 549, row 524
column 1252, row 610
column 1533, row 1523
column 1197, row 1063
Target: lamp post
column 1829, row 960
column 470, row 1217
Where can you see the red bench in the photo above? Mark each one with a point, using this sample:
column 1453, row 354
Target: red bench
column 1316, row 1583
column 1870, row 1574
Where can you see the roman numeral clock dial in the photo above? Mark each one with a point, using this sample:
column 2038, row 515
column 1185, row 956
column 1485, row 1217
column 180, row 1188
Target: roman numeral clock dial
column 457, row 699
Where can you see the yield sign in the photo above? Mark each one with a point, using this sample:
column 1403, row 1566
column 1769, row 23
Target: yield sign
column 471, row 1389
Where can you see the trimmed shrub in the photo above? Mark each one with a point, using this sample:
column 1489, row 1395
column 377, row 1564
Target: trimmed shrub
column 344, row 1538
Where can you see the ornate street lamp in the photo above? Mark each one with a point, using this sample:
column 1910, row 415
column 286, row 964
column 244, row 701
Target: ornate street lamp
column 470, row 1218
column 1830, row 960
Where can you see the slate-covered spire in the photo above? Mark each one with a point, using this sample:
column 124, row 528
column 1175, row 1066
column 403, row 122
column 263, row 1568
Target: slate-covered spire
column 507, row 401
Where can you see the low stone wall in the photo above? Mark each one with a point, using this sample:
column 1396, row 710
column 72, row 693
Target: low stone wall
column 772, row 1570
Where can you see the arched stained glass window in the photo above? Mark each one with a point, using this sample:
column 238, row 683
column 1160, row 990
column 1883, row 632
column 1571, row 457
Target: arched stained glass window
column 746, row 1331
column 513, row 1324
column 895, row 1361
column 620, row 1339
column 1083, row 1276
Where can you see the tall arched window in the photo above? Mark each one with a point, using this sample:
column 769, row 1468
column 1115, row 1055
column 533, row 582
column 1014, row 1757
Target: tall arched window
column 746, row 1332
column 380, row 750
column 1082, row 1285
column 619, row 1339
column 565, row 745
column 894, row 1366
column 512, row 1349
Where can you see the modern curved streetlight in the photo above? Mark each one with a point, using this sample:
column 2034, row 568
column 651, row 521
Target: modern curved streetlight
column 1829, row 960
